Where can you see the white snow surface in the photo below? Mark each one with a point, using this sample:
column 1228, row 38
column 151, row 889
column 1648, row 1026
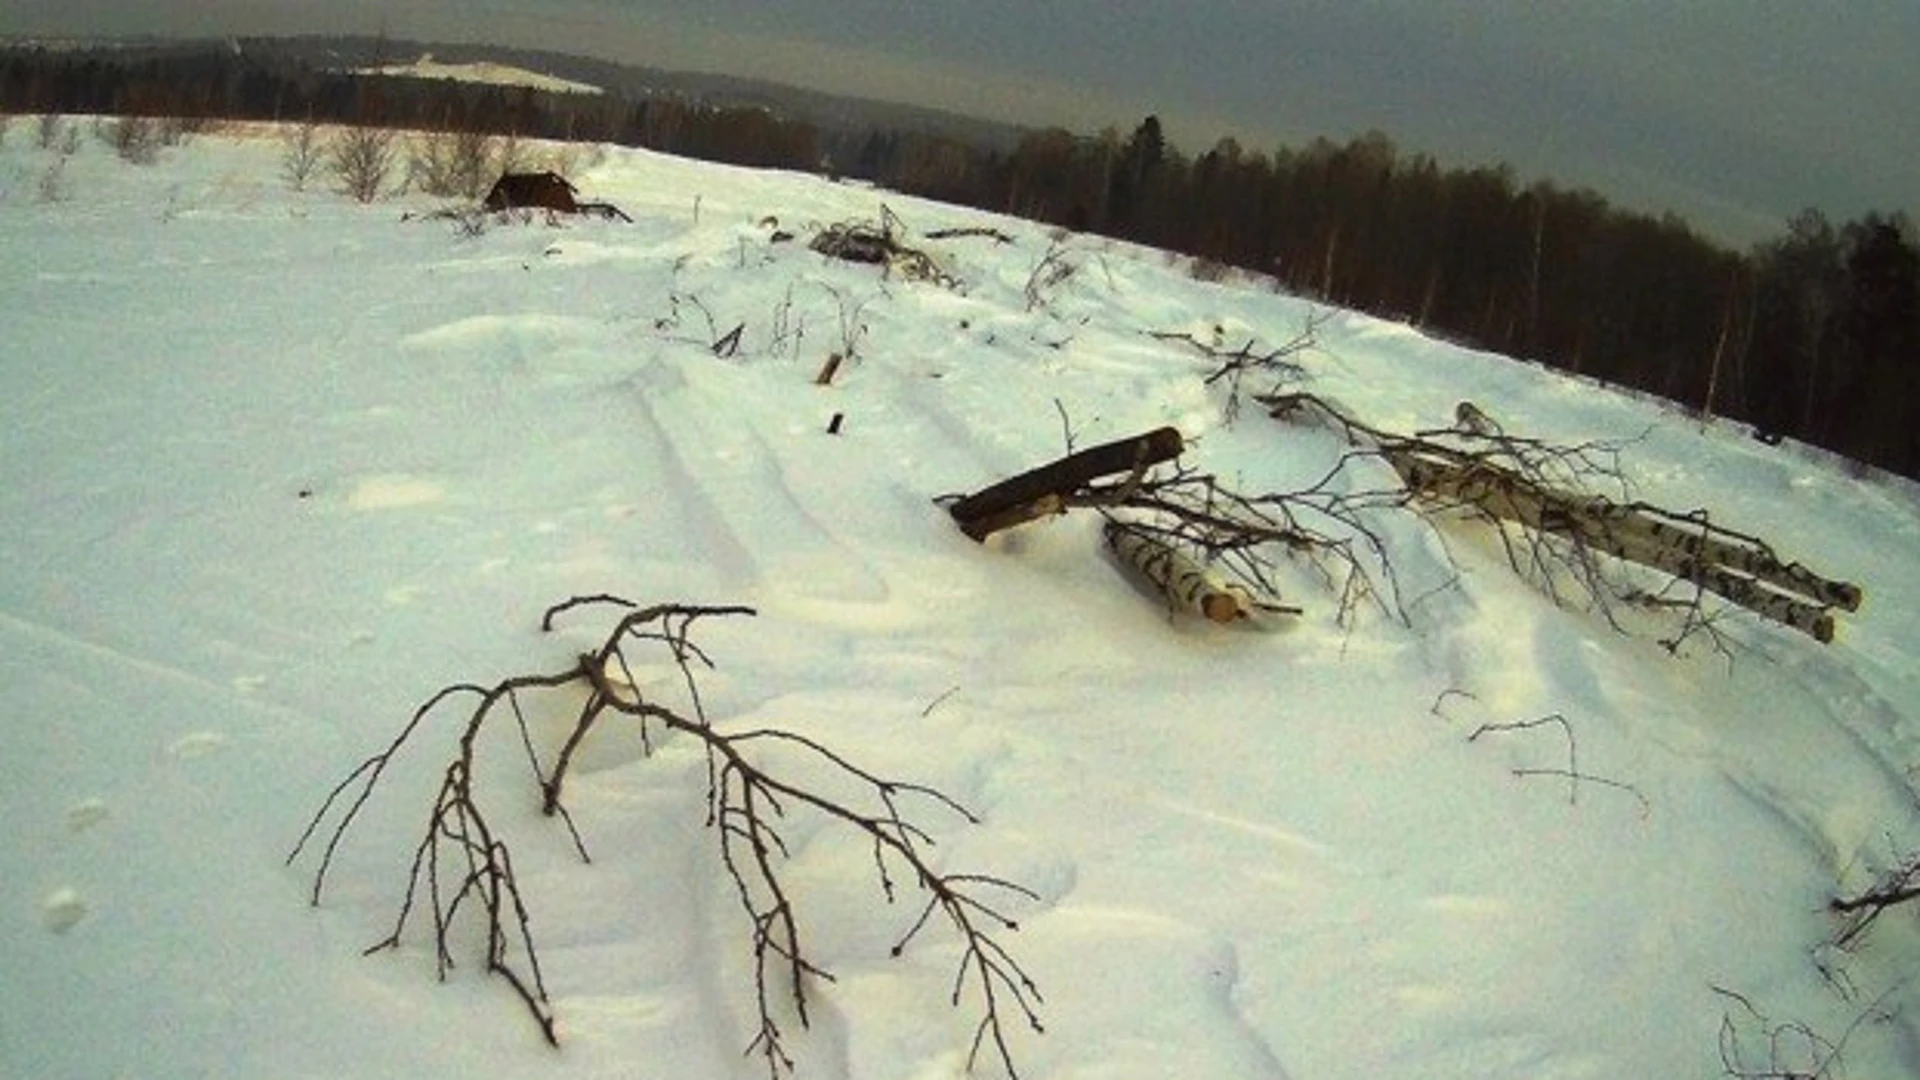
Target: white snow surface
column 278, row 466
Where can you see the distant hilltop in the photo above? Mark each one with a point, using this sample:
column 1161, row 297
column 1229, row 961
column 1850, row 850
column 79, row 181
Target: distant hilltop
column 480, row 71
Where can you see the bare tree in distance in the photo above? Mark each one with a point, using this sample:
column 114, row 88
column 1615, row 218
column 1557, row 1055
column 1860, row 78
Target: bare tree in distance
column 362, row 158
column 451, row 163
column 300, row 153
column 136, row 139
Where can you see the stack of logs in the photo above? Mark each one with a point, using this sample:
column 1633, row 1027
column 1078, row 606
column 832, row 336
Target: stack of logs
column 1739, row 568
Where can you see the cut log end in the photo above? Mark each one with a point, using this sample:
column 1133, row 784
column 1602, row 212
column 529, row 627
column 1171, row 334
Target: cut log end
column 1186, row 584
column 1222, row 607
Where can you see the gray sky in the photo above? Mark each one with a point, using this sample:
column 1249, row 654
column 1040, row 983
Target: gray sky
column 1734, row 113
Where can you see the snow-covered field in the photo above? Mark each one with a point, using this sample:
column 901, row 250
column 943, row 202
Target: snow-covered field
column 278, row 466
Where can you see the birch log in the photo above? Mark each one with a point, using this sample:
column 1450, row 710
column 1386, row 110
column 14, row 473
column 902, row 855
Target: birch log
column 1687, row 547
column 1186, row 584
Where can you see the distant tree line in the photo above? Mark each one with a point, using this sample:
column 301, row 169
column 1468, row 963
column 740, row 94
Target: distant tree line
column 1814, row 335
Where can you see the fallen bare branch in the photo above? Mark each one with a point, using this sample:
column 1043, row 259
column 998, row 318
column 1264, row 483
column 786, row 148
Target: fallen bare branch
column 958, row 232
column 1897, row 886
column 1233, row 366
column 881, row 245
column 462, row 867
column 1571, row 773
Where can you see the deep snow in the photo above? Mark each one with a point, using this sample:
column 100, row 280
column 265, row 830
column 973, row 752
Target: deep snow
column 278, row 466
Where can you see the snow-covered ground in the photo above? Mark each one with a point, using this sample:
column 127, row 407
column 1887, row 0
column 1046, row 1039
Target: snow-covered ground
column 278, row 466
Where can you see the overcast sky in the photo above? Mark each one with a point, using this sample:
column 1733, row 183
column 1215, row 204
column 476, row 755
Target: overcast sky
column 1734, row 113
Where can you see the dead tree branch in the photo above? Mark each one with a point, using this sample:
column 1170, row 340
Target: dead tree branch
column 960, row 231
column 1571, row 773
column 1897, row 886
column 881, row 244
column 1234, row 366
column 1053, row 269
column 1789, row 1051
column 1755, row 1047
column 463, row 869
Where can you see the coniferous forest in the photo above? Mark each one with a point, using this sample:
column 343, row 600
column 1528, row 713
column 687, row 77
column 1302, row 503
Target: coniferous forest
column 1814, row 334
